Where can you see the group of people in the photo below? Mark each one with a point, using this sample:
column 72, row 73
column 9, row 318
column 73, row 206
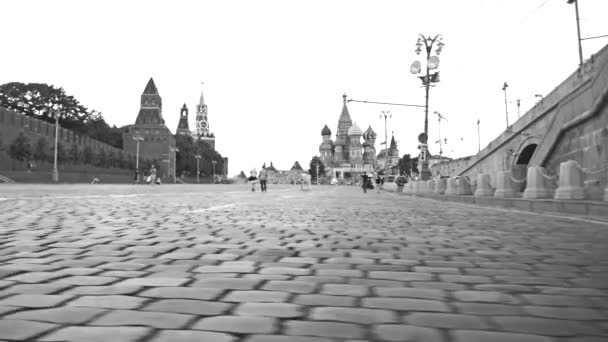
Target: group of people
column 255, row 177
column 149, row 177
column 367, row 182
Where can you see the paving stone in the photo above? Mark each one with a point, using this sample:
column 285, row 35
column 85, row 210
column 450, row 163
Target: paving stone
column 331, row 267
column 555, row 300
column 192, row 336
column 266, row 276
column 353, row 315
column 200, row 293
column 108, row 302
column 324, row 300
column 34, row 288
column 322, row 254
column 35, row 300
column 345, row 290
column 570, row 291
column 283, row 338
column 494, row 336
column 62, row 315
column 446, row 320
column 154, row 282
column 321, row 279
column 97, row 334
column 12, row 329
column 227, row 283
column 399, row 332
column 375, row 282
column 123, row 266
column 34, row 277
column 410, row 292
column 405, row 304
column 543, row 326
column 86, row 280
column 324, row 329
column 188, row 306
column 224, row 269
column 122, row 274
column 285, row 270
column 485, row 297
column 467, row 279
column 439, row 285
column 256, row 296
column 487, row 309
column 238, row 324
column 290, row 286
column 507, row 288
column 569, row 313
column 103, row 290
column 161, row 320
column 339, row 273
column 279, row 310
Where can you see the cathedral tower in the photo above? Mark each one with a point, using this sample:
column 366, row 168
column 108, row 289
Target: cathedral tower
column 369, row 151
column 341, row 152
column 354, row 152
column 183, row 127
column 325, row 149
column 150, row 111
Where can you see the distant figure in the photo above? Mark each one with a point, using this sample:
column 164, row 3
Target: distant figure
column 152, row 177
column 95, row 180
column 263, row 176
column 334, row 181
column 136, row 176
column 29, row 166
column 379, row 182
column 253, row 178
column 305, row 181
column 401, row 180
column 365, row 181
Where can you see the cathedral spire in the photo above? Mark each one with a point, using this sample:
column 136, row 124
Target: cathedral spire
column 150, row 88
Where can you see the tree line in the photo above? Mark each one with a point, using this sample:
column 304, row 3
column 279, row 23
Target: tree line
column 38, row 99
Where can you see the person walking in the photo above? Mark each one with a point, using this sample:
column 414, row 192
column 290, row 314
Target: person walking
column 365, row 181
column 263, row 177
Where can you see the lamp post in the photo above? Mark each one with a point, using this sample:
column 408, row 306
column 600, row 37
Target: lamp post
column 198, row 158
column 317, row 167
column 55, row 113
column 432, row 62
column 138, row 139
column 504, row 87
column 214, row 162
column 385, row 114
column 578, row 30
column 174, row 150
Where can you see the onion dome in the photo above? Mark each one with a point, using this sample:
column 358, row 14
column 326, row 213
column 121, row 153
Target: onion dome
column 325, row 131
column 355, row 130
column 369, row 134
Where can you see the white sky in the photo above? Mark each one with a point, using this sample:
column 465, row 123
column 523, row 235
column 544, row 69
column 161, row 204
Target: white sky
column 275, row 71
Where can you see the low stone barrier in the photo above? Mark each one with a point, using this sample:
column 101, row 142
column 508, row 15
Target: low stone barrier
column 430, row 186
column 483, row 186
column 504, row 185
column 441, row 186
column 452, row 186
column 537, row 184
column 570, row 182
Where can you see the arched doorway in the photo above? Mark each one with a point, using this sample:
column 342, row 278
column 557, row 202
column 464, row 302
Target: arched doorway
column 520, row 168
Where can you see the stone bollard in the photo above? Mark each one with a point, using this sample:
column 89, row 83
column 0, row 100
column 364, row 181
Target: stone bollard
column 408, row 188
column 452, row 186
column 416, row 188
column 504, row 185
column 483, row 185
column 464, row 186
column 570, row 182
column 430, row 186
column 537, row 186
column 440, row 186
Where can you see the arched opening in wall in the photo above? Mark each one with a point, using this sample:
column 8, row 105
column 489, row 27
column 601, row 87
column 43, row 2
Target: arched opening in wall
column 520, row 168
column 525, row 155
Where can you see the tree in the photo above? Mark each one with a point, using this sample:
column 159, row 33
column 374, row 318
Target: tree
column 313, row 168
column 62, row 155
column 20, row 149
column 37, row 100
column 41, row 150
column 242, row 175
column 186, row 161
column 101, row 159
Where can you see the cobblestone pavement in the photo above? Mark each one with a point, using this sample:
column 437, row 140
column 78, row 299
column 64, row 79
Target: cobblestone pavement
column 221, row 263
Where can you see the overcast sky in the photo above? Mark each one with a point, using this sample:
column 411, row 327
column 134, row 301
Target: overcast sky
column 274, row 71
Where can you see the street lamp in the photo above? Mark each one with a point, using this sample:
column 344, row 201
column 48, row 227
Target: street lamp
column 214, row 162
column 174, row 150
column 198, row 158
column 432, row 62
column 138, row 139
column 385, row 114
column 578, row 30
column 55, row 114
column 504, row 87
column 317, row 166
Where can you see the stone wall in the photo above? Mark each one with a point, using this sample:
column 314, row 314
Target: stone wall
column 12, row 123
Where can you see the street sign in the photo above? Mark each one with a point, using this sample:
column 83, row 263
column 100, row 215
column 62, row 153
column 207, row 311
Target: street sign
column 423, row 138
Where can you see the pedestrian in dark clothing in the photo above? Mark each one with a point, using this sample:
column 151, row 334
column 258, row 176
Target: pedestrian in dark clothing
column 365, row 182
column 263, row 176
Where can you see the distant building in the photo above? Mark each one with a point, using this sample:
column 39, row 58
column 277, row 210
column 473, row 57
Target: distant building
column 182, row 127
column 388, row 160
column 158, row 142
column 346, row 157
column 203, row 131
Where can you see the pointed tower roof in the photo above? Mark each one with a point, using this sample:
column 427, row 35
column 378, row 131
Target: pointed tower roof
column 325, row 131
column 344, row 116
column 201, row 100
column 150, row 88
column 393, row 143
column 184, row 106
